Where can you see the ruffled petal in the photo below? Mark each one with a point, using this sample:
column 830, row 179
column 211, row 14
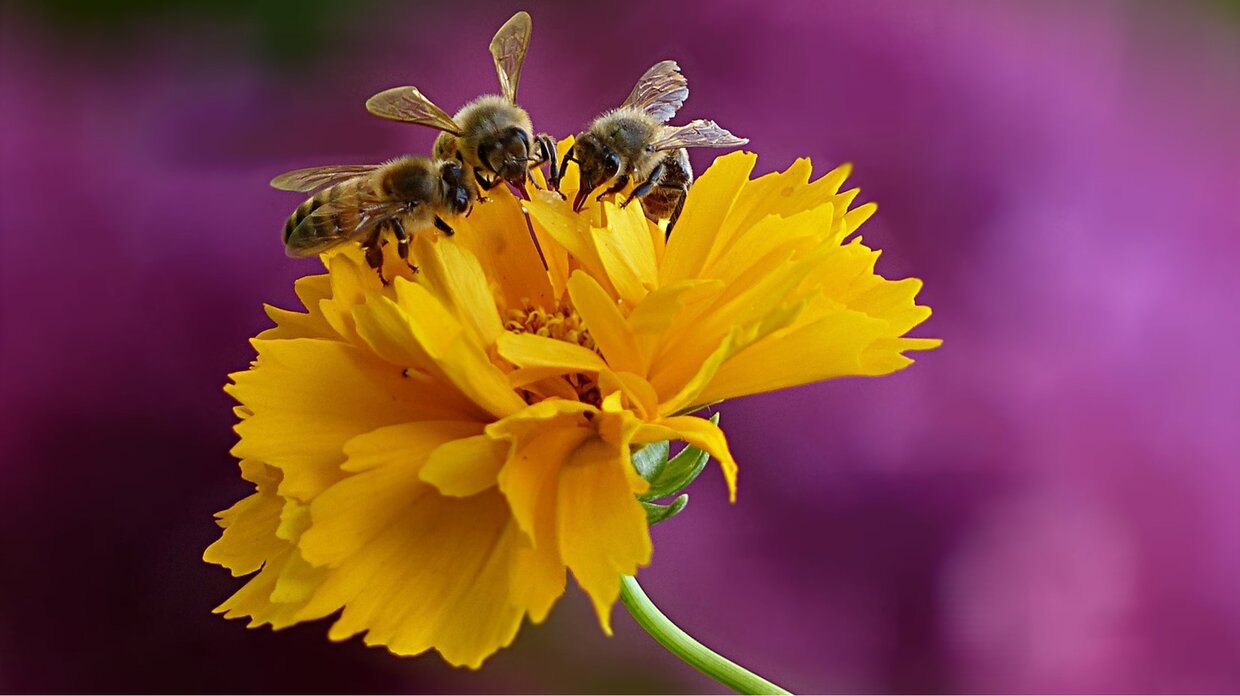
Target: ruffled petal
column 626, row 251
column 700, row 433
column 707, row 206
column 497, row 234
column 253, row 600
column 452, row 574
column 606, row 324
column 541, row 437
column 459, row 359
column 308, row 397
column 249, row 537
column 528, row 350
column 465, row 467
column 602, row 529
column 554, row 219
column 454, row 276
column 388, row 462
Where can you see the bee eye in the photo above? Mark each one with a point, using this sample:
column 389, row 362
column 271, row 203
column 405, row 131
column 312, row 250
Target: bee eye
column 525, row 139
column 611, row 164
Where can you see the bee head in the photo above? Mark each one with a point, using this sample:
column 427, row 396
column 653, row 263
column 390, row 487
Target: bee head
column 507, row 155
column 598, row 163
column 456, row 191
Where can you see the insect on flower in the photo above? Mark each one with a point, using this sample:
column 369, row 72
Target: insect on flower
column 358, row 202
column 433, row 457
column 631, row 145
column 492, row 135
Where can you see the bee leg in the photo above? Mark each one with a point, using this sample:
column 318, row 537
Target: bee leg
column 647, row 186
column 546, row 155
column 481, row 186
column 443, row 226
column 484, row 183
column 557, row 175
column 374, row 253
column 621, row 182
column 402, row 243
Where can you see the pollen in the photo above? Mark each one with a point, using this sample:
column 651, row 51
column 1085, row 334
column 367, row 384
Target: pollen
column 561, row 324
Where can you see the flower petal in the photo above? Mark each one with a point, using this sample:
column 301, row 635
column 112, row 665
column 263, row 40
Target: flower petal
column 249, row 536
column 453, row 574
column 308, row 397
column 837, row 342
column 351, row 283
column 602, row 528
column 311, row 290
column 498, row 235
column 607, row 326
column 542, row 436
column 626, row 251
column 461, row 361
column 554, row 219
column 637, row 391
column 455, row 277
column 254, row 597
column 388, row 462
column 465, row 467
column 532, row 350
column 707, row 206
column 699, row 432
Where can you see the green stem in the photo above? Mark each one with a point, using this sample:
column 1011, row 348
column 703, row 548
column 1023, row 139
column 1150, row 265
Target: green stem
column 682, row 645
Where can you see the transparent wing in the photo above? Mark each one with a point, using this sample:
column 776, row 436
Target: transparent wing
column 508, row 48
column 408, row 105
column 315, row 178
column 660, row 92
column 340, row 221
column 698, row 133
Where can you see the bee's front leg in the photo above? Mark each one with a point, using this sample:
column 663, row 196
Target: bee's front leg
column 483, row 185
column 443, row 226
column 656, row 175
column 546, row 155
column 556, row 175
column 621, row 182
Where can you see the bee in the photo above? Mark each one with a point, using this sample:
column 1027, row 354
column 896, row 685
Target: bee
column 492, row 136
column 631, row 145
column 358, row 202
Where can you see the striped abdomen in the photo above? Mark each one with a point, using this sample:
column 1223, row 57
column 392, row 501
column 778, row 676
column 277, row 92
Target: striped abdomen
column 306, row 234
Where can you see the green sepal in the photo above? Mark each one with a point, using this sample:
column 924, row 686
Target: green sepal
column 650, row 460
column 656, row 513
column 677, row 473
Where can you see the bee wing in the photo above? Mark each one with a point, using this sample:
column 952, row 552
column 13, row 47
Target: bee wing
column 315, row 178
column 508, row 49
column 697, row 133
column 408, row 105
column 660, row 92
column 312, row 237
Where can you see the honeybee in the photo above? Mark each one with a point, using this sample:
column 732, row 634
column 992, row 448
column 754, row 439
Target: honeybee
column 631, row 144
column 491, row 135
column 358, row 202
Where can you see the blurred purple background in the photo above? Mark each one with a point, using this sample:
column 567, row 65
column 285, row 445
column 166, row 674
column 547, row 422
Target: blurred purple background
column 1047, row 503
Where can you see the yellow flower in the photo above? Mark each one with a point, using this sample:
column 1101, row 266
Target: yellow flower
column 431, row 456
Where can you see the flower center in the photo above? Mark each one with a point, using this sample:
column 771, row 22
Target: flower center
column 561, row 324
